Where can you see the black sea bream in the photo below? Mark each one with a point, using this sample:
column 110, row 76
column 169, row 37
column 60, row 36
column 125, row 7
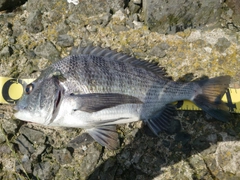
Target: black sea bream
column 97, row 88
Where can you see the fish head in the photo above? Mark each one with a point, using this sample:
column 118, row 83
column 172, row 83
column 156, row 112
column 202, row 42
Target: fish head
column 40, row 99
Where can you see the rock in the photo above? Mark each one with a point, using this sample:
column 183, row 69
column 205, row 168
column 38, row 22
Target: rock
column 222, row 44
column 9, row 127
column 171, row 17
column 10, row 5
column 82, row 140
column 137, row 2
column 34, row 136
column 235, row 16
column 65, row 173
column 134, row 7
column 157, row 51
column 62, row 28
column 63, row 156
column 34, row 22
column 47, row 50
column 227, row 158
column 24, row 145
column 2, row 136
column 90, row 161
column 45, row 170
column 6, row 52
column 65, row 40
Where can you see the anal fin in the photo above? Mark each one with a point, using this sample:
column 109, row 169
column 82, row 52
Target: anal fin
column 105, row 135
column 161, row 121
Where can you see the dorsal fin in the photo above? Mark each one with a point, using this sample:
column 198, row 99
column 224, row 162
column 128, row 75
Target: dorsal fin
column 113, row 55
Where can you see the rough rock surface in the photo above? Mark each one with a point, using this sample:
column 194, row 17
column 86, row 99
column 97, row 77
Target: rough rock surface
column 198, row 147
column 9, row 5
column 174, row 16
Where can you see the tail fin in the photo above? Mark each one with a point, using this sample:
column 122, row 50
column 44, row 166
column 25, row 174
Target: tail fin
column 210, row 98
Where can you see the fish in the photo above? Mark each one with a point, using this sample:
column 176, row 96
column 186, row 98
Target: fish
column 97, row 88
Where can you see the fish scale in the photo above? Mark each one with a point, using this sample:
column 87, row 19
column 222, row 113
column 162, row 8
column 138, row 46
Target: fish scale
column 96, row 88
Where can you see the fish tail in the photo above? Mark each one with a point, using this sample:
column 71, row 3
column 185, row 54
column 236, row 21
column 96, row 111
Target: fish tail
column 210, row 95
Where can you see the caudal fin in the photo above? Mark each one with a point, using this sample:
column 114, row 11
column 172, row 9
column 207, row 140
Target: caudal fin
column 210, row 98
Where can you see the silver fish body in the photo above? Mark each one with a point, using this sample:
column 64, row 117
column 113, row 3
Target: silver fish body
column 97, row 88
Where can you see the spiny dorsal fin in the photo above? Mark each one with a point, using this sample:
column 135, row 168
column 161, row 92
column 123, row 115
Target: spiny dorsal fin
column 113, row 55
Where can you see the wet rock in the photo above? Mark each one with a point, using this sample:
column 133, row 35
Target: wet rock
column 34, row 136
column 171, row 17
column 10, row 5
column 34, row 22
column 65, row 40
column 47, row 50
column 63, row 156
column 45, row 170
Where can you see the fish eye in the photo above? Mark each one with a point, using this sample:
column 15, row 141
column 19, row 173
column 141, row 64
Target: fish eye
column 29, row 88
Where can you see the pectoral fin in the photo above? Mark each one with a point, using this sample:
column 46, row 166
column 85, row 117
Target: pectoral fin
column 105, row 135
column 98, row 101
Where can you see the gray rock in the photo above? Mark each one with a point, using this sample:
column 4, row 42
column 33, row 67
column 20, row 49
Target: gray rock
column 62, row 28
column 9, row 126
column 83, row 139
column 45, row 170
column 10, row 5
column 228, row 158
column 98, row 8
column 65, row 173
column 171, row 16
column 157, row 51
column 235, row 6
column 134, row 7
column 65, row 40
column 34, row 22
column 45, row 6
column 222, row 44
column 137, row 2
column 47, row 50
column 6, row 52
column 63, row 156
column 90, row 161
column 34, row 136
column 2, row 136
column 24, row 145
